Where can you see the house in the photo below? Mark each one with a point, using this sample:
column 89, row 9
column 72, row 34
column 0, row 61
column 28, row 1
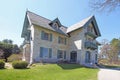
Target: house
column 49, row 41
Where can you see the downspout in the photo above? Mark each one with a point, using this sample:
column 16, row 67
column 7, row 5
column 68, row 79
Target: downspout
column 31, row 44
column 31, row 39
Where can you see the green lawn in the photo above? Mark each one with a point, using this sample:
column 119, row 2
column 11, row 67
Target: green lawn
column 50, row 72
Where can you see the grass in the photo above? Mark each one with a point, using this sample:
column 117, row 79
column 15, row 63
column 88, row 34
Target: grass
column 50, row 72
column 111, row 66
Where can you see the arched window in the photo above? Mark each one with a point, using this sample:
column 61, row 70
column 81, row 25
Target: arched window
column 55, row 25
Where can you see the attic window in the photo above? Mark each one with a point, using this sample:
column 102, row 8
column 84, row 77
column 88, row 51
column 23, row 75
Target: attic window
column 55, row 25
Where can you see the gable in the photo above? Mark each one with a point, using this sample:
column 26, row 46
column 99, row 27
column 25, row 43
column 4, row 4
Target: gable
column 34, row 19
column 26, row 26
column 85, row 23
column 92, row 23
column 91, row 28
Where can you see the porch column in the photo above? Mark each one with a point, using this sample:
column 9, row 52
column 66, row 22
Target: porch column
column 32, row 44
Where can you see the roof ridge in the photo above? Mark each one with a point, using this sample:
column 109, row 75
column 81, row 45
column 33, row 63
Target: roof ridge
column 87, row 18
column 38, row 15
column 43, row 17
column 80, row 23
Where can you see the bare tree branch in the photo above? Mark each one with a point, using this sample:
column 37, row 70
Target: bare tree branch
column 104, row 5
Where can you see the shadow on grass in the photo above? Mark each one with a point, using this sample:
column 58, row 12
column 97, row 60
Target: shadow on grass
column 21, row 68
column 70, row 66
column 2, row 68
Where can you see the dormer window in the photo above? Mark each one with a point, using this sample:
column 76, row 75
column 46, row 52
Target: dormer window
column 55, row 25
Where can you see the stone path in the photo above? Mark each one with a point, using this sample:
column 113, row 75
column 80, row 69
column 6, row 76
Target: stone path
column 108, row 74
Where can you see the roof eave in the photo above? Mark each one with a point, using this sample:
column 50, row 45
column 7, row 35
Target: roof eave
column 24, row 25
column 50, row 29
column 22, row 35
column 74, row 30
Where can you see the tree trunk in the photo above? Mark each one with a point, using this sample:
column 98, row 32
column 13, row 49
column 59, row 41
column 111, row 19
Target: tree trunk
column 6, row 59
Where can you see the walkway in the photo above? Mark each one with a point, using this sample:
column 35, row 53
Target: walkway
column 108, row 74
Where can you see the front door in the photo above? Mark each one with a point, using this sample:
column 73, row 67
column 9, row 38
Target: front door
column 88, row 57
column 73, row 56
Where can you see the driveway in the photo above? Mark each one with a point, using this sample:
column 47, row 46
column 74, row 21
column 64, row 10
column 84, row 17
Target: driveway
column 108, row 74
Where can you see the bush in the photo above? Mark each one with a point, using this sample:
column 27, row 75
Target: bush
column 2, row 64
column 20, row 64
column 15, row 57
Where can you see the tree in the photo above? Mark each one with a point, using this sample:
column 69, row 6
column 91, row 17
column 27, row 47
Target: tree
column 16, row 49
column 104, row 51
column 115, row 43
column 7, row 50
column 108, row 5
column 7, row 41
column 110, row 50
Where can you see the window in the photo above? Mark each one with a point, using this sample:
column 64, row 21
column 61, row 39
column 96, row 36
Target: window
column 50, row 53
column 62, row 40
column 46, row 36
column 64, row 54
column 55, row 25
column 96, row 57
column 45, row 52
column 61, row 54
column 88, row 57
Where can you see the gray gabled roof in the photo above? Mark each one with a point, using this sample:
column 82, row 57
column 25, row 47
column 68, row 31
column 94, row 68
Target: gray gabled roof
column 78, row 25
column 34, row 19
column 45, row 23
column 84, row 23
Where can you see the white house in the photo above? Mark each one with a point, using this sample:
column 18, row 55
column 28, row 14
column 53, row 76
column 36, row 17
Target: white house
column 49, row 41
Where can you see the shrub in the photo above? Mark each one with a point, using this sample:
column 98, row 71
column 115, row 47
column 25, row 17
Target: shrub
column 20, row 64
column 2, row 64
column 15, row 57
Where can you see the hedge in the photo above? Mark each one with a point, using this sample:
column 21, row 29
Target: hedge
column 20, row 64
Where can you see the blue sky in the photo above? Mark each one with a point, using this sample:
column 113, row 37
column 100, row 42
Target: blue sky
column 12, row 13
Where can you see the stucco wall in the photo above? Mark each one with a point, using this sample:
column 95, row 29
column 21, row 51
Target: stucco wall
column 76, row 43
column 93, row 52
column 47, row 44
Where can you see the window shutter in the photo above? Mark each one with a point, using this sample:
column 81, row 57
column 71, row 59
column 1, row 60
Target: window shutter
column 65, row 41
column 41, row 52
column 50, row 37
column 58, row 54
column 64, row 54
column 42, row 35
column 59, row 39
column 50, row 52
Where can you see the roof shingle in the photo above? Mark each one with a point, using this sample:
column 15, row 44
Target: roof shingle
column 44, row 22
column 78, row 25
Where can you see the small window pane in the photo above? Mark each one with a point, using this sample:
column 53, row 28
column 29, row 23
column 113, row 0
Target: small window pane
column 60, row 54
column 50, row 37
column 41, row 52
column 64, row 54
column 46, row 36
column 42, row 35
column 50, row 53
column 44, row 52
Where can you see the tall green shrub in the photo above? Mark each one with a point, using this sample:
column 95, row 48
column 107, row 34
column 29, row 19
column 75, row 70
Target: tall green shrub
column 2, row 64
